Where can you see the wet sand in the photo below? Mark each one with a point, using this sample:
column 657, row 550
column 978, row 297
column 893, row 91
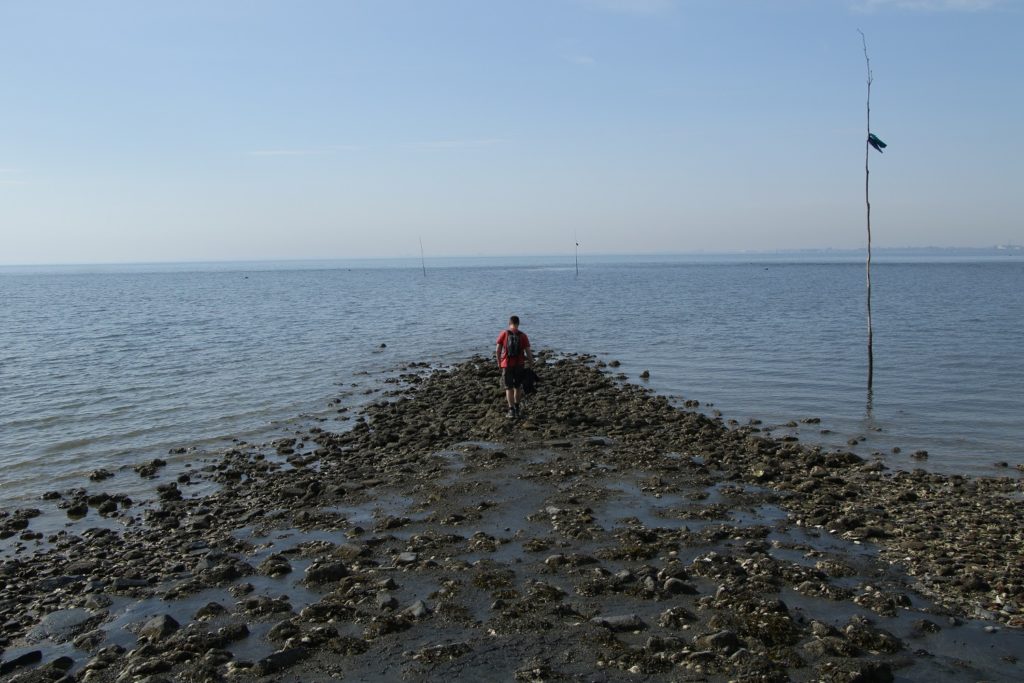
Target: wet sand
column 607, row 535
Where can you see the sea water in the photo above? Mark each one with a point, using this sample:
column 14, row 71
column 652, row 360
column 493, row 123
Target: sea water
column 107, row 366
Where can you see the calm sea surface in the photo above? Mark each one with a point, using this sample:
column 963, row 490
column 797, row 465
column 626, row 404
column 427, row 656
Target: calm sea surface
column 108, row 366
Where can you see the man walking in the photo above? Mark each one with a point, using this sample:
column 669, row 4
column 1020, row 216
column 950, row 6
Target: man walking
column 512, row 352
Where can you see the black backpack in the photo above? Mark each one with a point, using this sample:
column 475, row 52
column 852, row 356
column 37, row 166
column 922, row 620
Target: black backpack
column 530, row 381
column 513, row 347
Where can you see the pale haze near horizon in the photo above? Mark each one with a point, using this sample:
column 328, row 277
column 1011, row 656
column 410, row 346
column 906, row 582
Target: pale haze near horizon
column 269, row 130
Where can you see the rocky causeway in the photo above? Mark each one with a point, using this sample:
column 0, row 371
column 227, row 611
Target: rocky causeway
column 607, row 534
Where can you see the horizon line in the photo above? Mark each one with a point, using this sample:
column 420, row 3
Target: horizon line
column 648, row 254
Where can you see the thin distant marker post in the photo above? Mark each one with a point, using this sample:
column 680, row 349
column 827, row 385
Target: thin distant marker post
column 576, row 240
column 423, row 261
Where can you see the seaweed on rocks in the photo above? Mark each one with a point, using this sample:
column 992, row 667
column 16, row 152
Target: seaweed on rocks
column 606, row 534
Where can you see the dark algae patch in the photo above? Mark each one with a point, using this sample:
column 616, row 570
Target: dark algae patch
column 604, row 535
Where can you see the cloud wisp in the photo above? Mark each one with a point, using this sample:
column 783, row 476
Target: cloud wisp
column 928, row 5
column 631, row 6
column 304, row 152
column 457, row 144
column 12, row 176
column 581, row 60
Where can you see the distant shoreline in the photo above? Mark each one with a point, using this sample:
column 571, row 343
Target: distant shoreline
column 998, row 253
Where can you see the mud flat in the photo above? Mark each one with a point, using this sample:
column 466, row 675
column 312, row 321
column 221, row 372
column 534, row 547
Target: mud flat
column 607, row 535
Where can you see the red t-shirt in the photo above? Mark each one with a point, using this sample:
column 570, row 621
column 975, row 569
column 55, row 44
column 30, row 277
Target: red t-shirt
column 524, row 343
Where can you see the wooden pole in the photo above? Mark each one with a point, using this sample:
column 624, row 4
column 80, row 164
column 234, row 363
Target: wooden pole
column 576, row 240
column 423, row 261
column 867, row 202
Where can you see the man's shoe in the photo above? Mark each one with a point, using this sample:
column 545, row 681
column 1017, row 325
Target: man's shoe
column 511, row 413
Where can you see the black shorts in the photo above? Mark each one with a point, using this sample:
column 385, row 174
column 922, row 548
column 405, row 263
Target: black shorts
column 512, row 377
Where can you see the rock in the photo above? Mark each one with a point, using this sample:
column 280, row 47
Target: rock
column 232, row 632
column 54, row 582
column 25, row 659
column 417, row 610
column 406, row 558
column 860, row 672
column 822, row 630
column 723, row 640
column 862, row 634
column 676, row 617
column 201, row 522
column 284, row 630
column 62, row 625
column 169, row 491
column 78, row 510
column 267, row 605
column 678, row 586
column 974, row 583
column 763, row 472
column 241, row 589
column 89, row 640
column 385, row 600
column 280, row 660
column 159, row 627
column 324, row 572
column 275, row 565
column 149, row 469
column 554, row 561
column 210, row 609
column 623, row 622
column 392, row 522
column 62, row 663
column 100, row 475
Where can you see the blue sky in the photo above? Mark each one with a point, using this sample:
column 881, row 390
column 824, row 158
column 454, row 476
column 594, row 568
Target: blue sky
column 258, row 129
